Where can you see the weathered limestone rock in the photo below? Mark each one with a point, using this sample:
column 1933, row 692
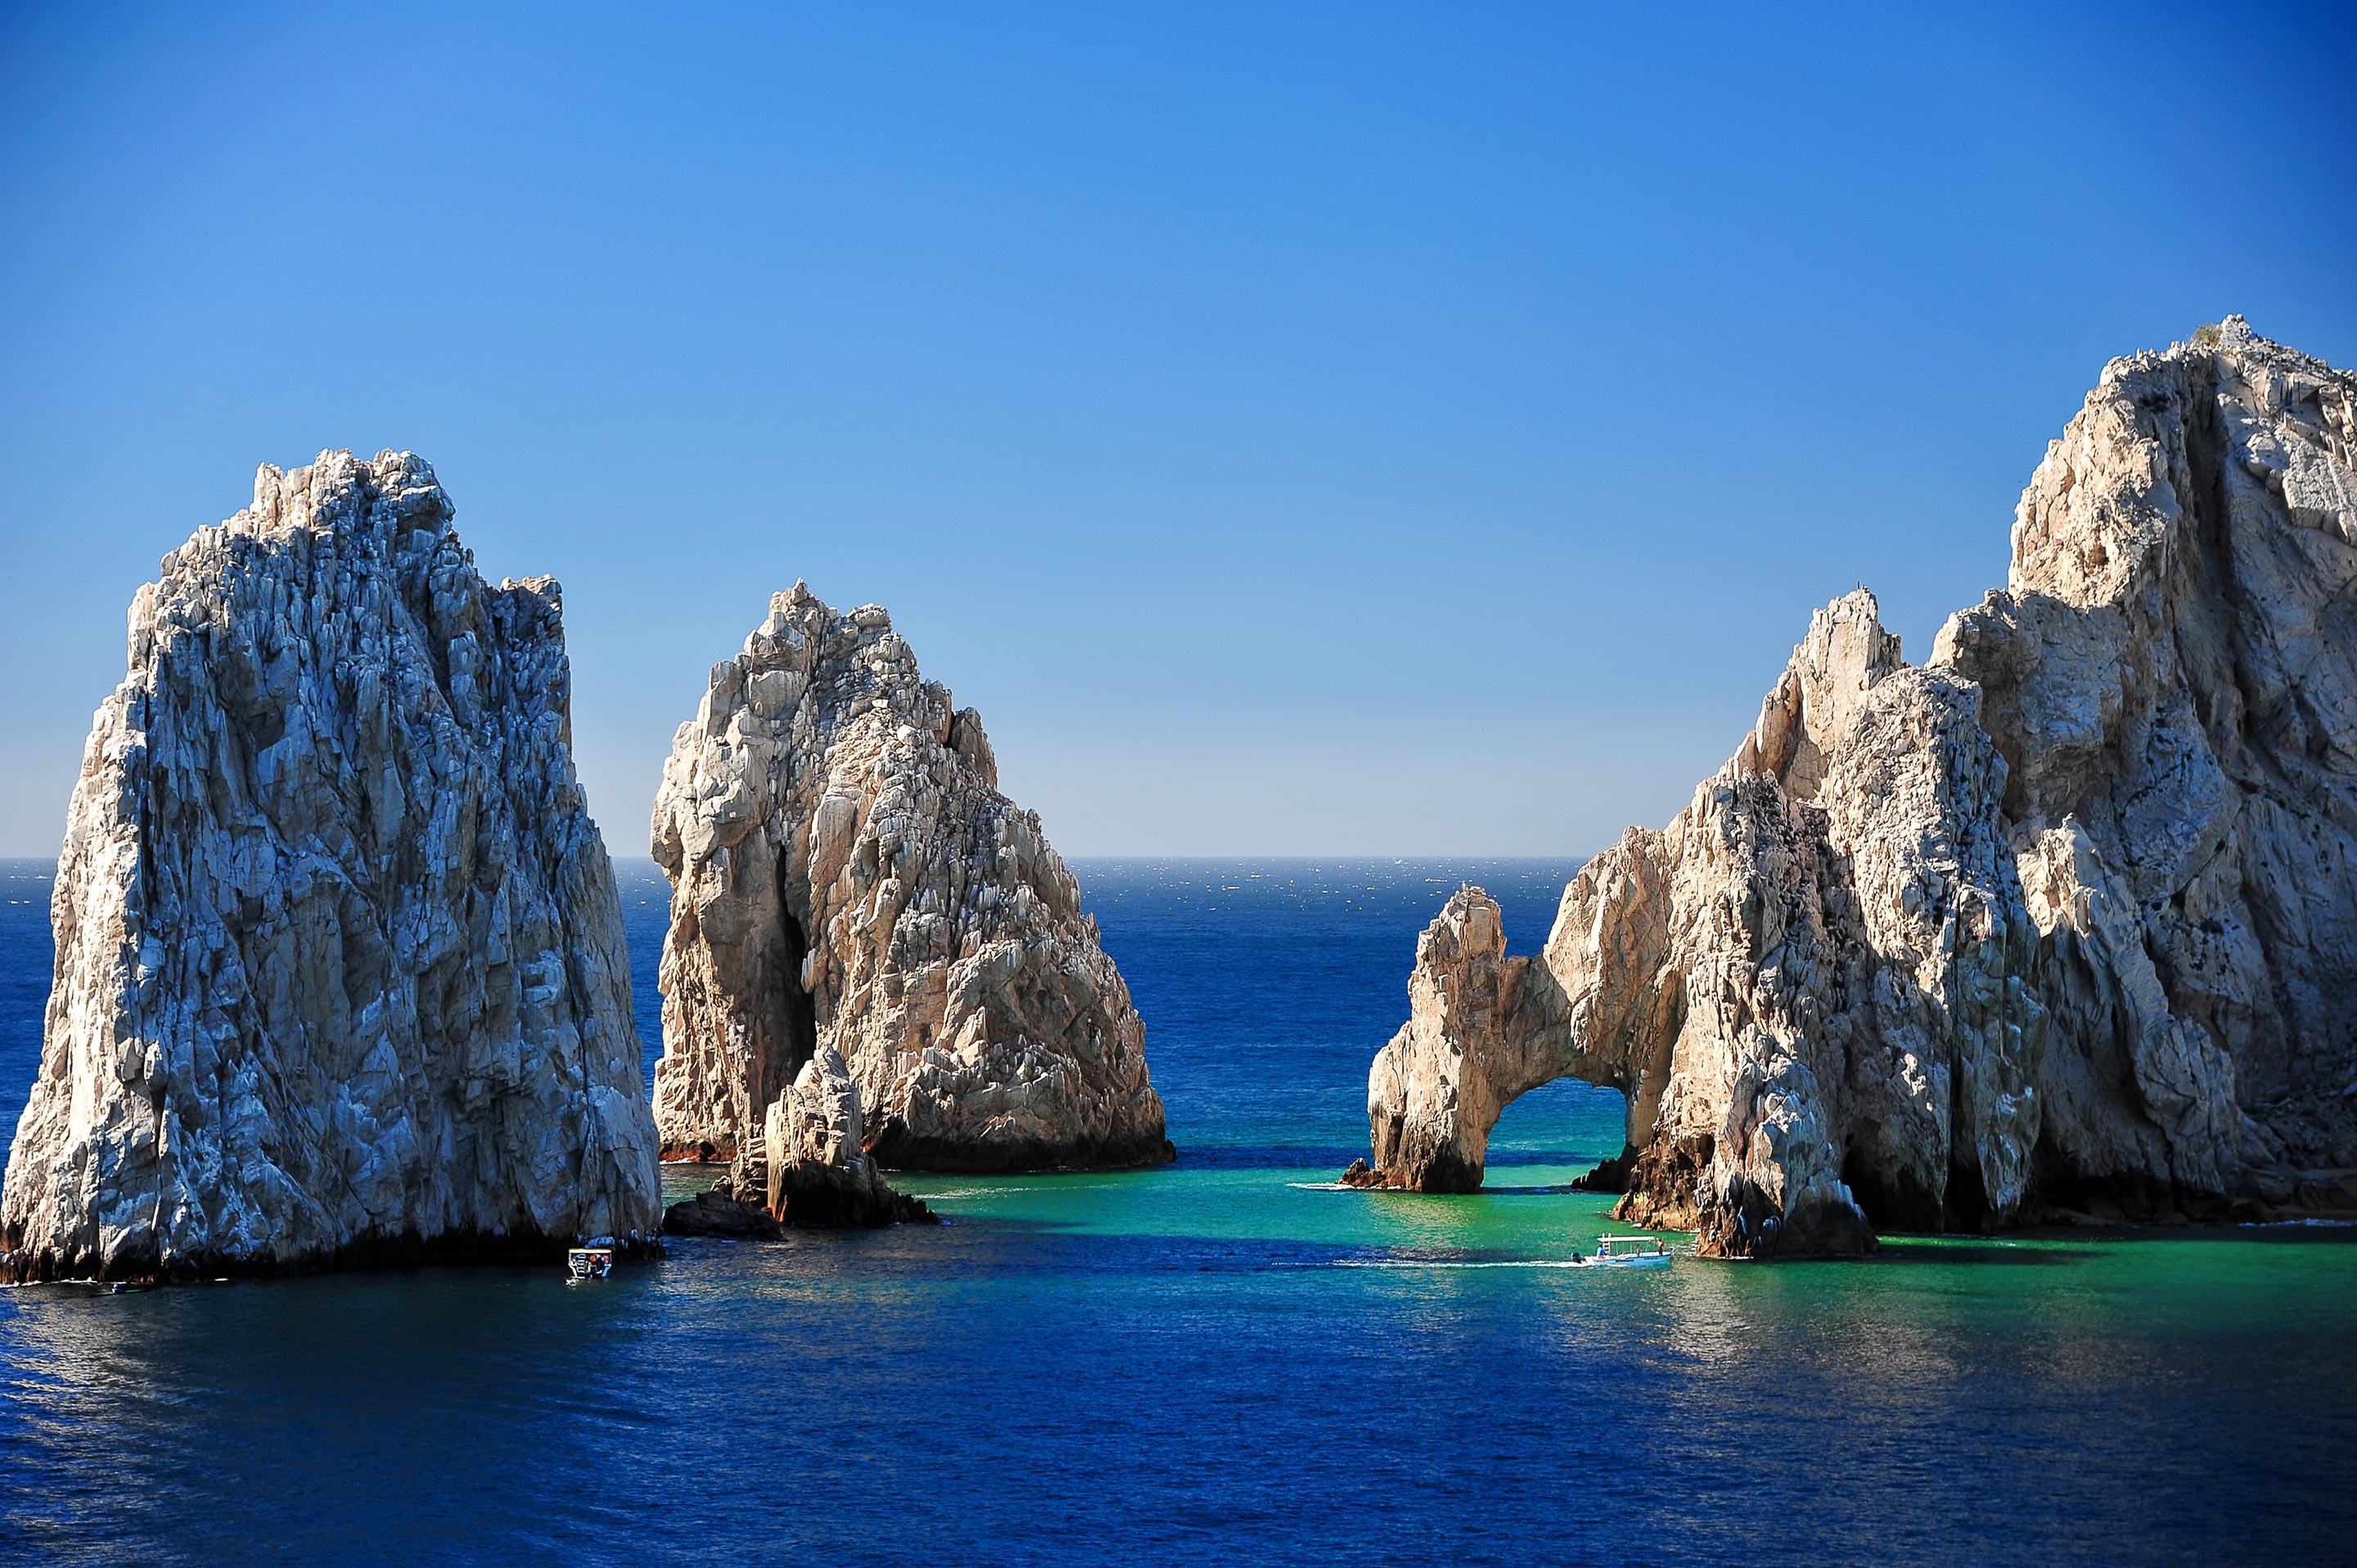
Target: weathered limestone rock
column 819, row 1170
column 819, row 1174
column 2171, row 671
column 857, row 909
column 341, row 973
column 1822, row 905
column 2064, row 922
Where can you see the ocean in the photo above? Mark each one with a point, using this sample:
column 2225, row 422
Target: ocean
column 1223, row 1361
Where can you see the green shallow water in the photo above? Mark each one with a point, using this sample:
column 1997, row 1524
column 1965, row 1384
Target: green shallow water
column 2223, row 1282
column 1297, row 1205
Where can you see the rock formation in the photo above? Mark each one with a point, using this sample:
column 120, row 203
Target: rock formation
column 819, row 1174
column 2171, row 672
column 2063, row 924
column 860, row 919
column 340, row 973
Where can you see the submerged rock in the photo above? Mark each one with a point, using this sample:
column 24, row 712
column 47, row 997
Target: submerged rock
column 341, row 973
column 2063, row 923
column 859, row 919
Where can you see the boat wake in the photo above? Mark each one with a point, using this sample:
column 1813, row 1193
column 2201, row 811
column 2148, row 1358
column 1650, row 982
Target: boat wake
column 1462, row 1263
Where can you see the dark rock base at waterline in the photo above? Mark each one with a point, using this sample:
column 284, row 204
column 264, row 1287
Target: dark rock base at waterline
column 1609, row 1175
column 809, row 1205
column 407, row 1250
column 714, row 1213
column 832, row 1203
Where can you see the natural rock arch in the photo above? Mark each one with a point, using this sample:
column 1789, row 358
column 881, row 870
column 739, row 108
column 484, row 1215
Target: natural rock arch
column 1720, row 972
column 1486, row 1028
column 2069, row 915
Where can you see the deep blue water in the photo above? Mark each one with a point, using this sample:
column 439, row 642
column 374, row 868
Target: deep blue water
column 1211, row 1363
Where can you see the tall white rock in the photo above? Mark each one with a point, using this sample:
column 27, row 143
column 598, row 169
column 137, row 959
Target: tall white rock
column 2067, row 917
column 850, row 888
column 340, row 971
column 2171, row 671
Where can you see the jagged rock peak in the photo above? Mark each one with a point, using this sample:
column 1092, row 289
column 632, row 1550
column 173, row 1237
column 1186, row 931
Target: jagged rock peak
column 341, row 973
column 1813, row 707
column 2064, row 923
column 848, row 881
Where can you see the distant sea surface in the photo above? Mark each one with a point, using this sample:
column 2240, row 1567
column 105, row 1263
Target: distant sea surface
column 1220, row 1362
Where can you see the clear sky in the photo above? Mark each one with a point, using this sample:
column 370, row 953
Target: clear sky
column 1297, row 428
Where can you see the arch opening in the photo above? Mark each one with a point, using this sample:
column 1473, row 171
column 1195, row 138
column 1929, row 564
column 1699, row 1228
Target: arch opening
column 1565, row 1131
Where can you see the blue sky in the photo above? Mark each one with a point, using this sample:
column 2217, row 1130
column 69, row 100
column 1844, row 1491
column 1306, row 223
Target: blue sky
column 1310, row 429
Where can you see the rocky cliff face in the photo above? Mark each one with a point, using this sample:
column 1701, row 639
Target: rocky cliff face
column 2065, row 921
column 2171, row 672
column 341, row 973
column 849, row 885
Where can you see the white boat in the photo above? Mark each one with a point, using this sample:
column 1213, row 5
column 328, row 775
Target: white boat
column 589, row 1263
column 1632, row 1252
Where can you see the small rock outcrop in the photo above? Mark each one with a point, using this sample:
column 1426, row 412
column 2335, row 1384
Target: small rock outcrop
column 2063, row 924
column 341, row 973
column 817, row 1172
column 860, row 920
column 720, row 1212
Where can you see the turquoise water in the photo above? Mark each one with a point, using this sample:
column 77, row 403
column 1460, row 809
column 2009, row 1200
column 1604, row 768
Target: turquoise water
column 1221, row 1360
